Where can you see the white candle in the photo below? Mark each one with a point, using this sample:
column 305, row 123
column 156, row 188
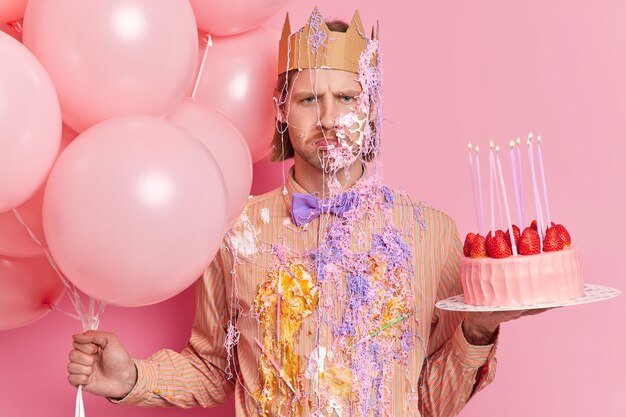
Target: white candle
column 472, row 179
column 521, row 183
column 491, row 172
column 500, row 218
column 543, row 181
column 506, row 203
column 535, row 189
column 480, row 195
column 515, row 184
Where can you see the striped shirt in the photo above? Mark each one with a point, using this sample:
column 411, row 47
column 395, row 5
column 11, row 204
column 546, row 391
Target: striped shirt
column 413, row 360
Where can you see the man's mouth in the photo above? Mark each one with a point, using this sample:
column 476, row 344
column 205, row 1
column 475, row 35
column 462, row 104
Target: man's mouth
column 327, row 142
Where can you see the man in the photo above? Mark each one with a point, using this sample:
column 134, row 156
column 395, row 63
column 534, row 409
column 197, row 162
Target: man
column 321, row 300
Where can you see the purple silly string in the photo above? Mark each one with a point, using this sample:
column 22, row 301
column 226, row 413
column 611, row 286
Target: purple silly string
column 317, row 36
column 370, row 78
column 358, row 294
column 390, row 247
column 389, row 198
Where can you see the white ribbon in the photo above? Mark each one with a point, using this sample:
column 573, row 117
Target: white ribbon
column 80, row 407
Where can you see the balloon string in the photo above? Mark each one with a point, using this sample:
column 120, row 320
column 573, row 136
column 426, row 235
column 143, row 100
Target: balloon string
column 16, row 26
column 90, row 319
column 209, row 43
column 67, row 313
column 79, row 411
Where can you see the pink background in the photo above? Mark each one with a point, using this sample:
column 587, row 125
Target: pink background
column 453, row 74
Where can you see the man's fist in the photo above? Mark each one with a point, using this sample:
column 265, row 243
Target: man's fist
column 101, row 365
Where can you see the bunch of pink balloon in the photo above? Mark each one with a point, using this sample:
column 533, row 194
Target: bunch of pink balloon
column 130, row 196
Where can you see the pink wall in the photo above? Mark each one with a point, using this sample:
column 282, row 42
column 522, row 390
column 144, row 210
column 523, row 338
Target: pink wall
column 474, row 71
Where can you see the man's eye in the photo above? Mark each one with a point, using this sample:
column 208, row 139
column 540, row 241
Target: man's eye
column 309, row 100
column 347, row 99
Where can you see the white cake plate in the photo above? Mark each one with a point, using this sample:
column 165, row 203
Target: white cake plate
column 593, row 293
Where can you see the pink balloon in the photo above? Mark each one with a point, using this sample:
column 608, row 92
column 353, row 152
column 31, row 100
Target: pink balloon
column 113, row 58
column 29, row 289
column 226, row 145
column 134, row 210
column 224, row 18
column 238, row 79
column 12, row 10
column 14, row 238
column 30, row 123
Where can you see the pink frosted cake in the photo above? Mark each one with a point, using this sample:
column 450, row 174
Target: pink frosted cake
column 538, row 265
column 492, row 275
column 522, row 280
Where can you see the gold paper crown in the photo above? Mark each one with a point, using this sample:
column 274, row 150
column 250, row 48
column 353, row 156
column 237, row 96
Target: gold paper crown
column 316, row 46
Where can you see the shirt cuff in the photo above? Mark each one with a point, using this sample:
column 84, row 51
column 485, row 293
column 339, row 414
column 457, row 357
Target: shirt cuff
column 145, row 385
column 470, row 355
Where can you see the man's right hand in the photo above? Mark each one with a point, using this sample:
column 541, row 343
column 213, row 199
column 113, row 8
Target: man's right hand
column 101, row 365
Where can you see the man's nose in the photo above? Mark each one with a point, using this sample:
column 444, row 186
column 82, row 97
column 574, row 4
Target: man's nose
column 329, row 111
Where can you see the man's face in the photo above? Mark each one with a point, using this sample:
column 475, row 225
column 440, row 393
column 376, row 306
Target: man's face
column 321, row 111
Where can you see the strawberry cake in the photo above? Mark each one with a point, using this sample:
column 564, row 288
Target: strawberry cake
column 540, row 273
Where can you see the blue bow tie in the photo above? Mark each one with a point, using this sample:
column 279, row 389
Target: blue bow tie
column 306, row 207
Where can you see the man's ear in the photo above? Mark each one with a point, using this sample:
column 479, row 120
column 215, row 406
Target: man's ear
column 279, row 111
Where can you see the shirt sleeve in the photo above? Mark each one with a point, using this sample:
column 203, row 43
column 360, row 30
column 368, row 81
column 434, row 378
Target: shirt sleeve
column 197, row 376
column 454, row 370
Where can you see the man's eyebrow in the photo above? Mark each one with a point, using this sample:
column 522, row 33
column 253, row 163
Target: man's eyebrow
column 341, row 93
column 305, row 93
column 348, row 93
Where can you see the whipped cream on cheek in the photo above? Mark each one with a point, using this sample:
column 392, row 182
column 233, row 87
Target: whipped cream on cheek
column 350, row 129
column 350, row 134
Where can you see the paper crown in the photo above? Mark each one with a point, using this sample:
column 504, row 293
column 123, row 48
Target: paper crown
column 316, row 46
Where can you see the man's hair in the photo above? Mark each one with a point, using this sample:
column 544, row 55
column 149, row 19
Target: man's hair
column 281, row 143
